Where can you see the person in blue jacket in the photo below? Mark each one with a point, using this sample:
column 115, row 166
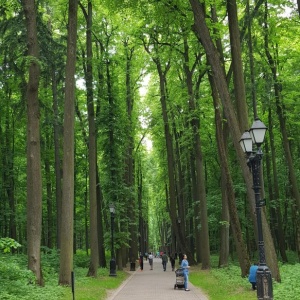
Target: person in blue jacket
column 185, row 266
column 252, row 275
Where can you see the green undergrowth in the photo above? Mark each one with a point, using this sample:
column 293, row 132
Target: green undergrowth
column 289, row 288
column 16, row 282
column 227, row 283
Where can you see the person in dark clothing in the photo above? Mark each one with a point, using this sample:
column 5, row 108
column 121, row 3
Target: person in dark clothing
column 164, row 259
column 172, row 261
column 180, row 257
column 141, row 262
column 252, row 276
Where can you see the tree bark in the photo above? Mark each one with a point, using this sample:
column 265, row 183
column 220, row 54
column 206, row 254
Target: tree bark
column 57, row 158
column 237, row 65
column 67, row 228
column 129, row 160
column 34, row 174
column 92, row 146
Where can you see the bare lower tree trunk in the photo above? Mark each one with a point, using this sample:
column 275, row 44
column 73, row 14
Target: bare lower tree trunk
column 67, row 226
column 34, row 175
column 101, row 249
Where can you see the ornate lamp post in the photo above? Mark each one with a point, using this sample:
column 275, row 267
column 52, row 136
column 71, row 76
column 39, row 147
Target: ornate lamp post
column 256, row 135
column 112, row 269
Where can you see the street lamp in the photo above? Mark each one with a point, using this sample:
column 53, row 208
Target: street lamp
column 112, row 268
column 256, row 135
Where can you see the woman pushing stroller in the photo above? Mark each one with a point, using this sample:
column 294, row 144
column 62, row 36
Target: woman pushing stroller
column 185, row 266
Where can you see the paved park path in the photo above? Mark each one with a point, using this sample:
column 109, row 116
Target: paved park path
column 155, row 285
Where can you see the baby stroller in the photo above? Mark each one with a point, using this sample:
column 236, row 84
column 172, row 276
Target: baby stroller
column 179, row 279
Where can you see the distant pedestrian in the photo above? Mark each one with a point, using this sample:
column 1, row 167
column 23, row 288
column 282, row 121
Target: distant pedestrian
column 164, row 259
column 252, row 275
column 141, row 261
column 185, row 266
column 151, row 260
column 180, row 257
column 172, row 261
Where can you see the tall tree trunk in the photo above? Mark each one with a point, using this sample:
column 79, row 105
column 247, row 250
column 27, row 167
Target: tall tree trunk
column 49, row 220
column 171, row 191
column 201, row 30
column 140, row 208
column 92, row 145
column 102, row 259
column 67, row 226
column 129, row 161
column 34, row 174
column 200, row 179
column 276, row 210
column 170, row 160
column 100, row 204
column 57, row 158
column 230, row 194
column 237, row 65
column 251, row 61
column 8, row 175
column 282, row 122
column 222, row 140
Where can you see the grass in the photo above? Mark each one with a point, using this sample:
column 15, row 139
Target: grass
column 227, row 283
column 222, row 284
column 87, row 288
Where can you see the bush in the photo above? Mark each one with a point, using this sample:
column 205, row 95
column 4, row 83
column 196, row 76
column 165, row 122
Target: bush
column 6, row 244
column 16, row 282
column 81, row 259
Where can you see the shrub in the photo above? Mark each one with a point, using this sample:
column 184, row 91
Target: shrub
column 6, row 244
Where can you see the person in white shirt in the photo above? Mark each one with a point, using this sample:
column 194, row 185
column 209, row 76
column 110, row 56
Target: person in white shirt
column 151, row 260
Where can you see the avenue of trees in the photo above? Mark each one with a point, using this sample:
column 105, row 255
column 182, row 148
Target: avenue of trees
column 142, row 104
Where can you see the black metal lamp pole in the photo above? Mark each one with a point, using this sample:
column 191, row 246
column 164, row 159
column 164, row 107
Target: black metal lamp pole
column 263, row 274
column 112, row 269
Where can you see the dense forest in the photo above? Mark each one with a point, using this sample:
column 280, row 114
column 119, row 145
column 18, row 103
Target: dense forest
column 142, row 104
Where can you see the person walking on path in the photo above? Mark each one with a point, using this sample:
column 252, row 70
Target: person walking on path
column 185, row 266
column 252, row 276
column 164, row 259
column 151, row 260
column 141, row 262
column 154, row 284
column 172, row 261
